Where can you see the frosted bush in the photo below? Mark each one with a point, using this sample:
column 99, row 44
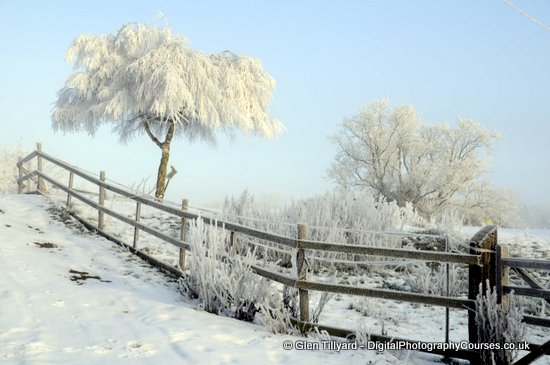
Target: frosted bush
column 379, row 310
column 339, row 216
column 290, row 300
column 342, row 210
column 226, row 284
column 328, row 215
column 246, row 290
column 324, row 298
column 362, row 335
column 433, row 279
column 274, row 316
column 206, row 271
column 496, row 324
column 533, row 306
column 220, row 281
column 238, row 207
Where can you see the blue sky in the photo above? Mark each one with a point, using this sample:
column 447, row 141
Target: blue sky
column 479, row 60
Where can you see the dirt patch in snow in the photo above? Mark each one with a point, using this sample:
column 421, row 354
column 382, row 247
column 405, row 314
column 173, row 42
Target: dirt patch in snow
column 81, row 276
column 36, row 229
column 45, row 245
column 64, row 216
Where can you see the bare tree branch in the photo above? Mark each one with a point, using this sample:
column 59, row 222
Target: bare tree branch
column 150, row 133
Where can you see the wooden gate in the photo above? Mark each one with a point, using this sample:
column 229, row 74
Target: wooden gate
column 534, row 289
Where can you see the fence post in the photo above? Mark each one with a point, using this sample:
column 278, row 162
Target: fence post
column 233, row 242
column 301, row 271
column 447, row 291
column 486, row 241
column 136, row 229
column 27, row 170
column 20, row 175
column 100, row 214
column 183, row 234
column 69, row 196
column 40, row 187
column 502, row 276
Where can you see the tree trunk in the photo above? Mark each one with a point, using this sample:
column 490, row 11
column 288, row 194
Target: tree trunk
column 165, row 148
column 161, row 175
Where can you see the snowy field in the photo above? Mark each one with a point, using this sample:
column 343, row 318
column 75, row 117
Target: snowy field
column 126, row 312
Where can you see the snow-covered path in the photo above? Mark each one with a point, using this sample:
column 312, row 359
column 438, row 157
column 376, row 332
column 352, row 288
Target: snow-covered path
column 128, row 314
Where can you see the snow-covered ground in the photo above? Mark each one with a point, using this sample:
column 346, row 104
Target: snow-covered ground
column 523, row 242
column 127, row 313
column 130, row 313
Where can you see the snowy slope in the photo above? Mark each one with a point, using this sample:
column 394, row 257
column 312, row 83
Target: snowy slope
column 127, row 314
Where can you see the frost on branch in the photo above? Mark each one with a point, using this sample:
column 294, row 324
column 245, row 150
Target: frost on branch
column 147, row 74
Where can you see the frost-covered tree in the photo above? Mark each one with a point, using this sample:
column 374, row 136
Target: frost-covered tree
column 393, row 153
column 8, row 169
column 144, row 79
column 484, row 203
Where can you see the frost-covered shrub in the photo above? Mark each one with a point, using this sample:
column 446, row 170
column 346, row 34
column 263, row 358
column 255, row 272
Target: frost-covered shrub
column 206, row 271
column 223, row 283
column 339, row 217
column 324, row 298
column 246, row 290
column 290, row 300
column 331, row 216
column 379, row 310
column 241, row 206
column 433, row 279
column 274, row 316
column 496, row 324
column 530, row 305
column 533, row 306
column 362, row 335
column 220, row 281
column 8, row 169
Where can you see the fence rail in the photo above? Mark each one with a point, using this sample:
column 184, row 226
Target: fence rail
column 527, row 264
column 391, row 252
column 485, row 260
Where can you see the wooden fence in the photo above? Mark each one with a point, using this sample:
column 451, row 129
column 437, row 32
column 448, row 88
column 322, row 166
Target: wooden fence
column 487, row 261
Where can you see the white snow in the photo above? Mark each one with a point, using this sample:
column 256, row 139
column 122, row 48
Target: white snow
column 132, row 314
